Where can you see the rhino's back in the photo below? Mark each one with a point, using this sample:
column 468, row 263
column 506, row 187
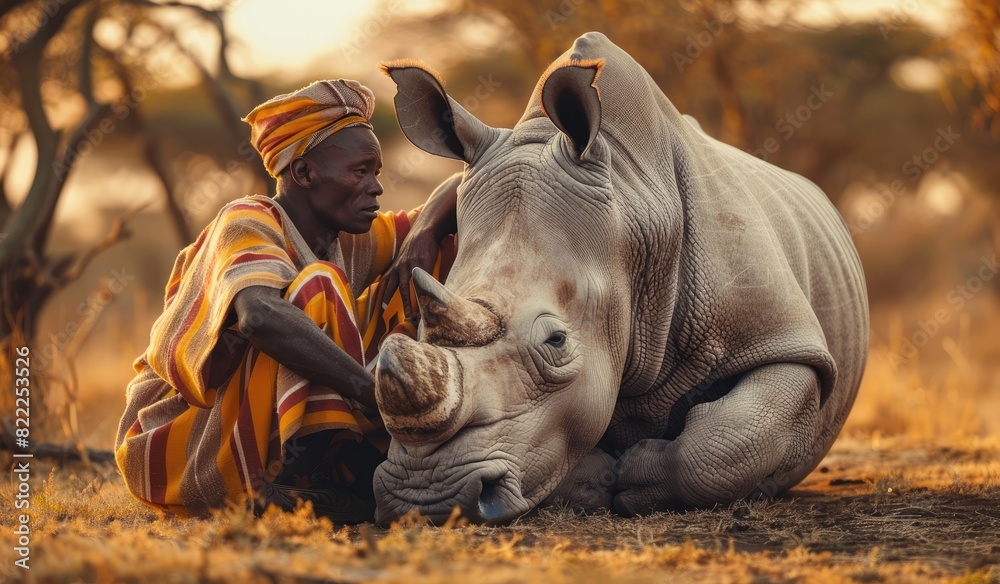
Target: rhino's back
column 767, row 274
column 813, row 238
column 783, row 262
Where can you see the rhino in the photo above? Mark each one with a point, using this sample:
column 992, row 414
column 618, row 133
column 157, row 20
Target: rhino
column 639, row 316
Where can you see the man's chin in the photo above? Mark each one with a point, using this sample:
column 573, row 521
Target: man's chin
column 363, row 226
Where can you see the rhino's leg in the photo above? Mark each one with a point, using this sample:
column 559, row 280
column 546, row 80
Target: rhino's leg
column 757, row 439
column 589, row 486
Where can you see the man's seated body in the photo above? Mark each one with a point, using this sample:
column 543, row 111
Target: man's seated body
column 257, row 382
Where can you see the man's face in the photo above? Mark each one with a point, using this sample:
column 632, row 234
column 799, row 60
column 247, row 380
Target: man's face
column 346, row 188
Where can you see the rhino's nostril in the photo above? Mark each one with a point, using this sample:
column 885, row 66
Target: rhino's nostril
column 491, row 503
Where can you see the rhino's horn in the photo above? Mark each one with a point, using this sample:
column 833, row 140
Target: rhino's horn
column 448, row 319
column 419, row 394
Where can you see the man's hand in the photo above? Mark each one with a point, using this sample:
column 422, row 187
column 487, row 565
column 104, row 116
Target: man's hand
column 290, row 337
column 419, row 250
column 421, row 247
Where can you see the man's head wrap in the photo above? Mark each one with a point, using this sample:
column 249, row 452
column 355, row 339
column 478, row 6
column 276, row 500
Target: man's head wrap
column 289, row 125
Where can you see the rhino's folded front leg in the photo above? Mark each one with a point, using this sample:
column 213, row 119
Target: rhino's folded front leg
column 589, row 486
column 757, row 438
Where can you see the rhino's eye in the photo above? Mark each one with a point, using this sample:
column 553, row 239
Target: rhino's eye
column 553, row 361
column 556, row 340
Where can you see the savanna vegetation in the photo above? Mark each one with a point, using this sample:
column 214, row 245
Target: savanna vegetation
column 896, row 116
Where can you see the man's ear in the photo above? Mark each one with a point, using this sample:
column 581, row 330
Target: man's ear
column 430, row 119
column 302, row 172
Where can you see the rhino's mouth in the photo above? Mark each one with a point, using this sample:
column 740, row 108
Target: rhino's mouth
column 486, row 492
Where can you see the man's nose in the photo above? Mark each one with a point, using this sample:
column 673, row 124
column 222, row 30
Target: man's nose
column 375, row 189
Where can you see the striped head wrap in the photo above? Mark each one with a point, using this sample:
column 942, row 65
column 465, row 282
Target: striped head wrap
column 289, row 125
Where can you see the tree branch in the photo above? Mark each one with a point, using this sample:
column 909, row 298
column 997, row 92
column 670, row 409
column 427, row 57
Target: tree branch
column 5, row 207
column 152, row 154
column 44, row 190
column 95, row 112
column 10, row 5
column 206, row 13
column 217, row 93
column 154, row 158
column 221, row 98
column 119, row 231
column 61, row 170
column 58, row 451
column 86, row 80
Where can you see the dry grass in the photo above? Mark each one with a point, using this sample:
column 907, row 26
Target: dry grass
column 955, row 401
column 866, row 516
column 910, row 493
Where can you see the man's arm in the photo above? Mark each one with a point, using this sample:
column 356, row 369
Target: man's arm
column 421, row 247
column 286, row 334
column 438, row 218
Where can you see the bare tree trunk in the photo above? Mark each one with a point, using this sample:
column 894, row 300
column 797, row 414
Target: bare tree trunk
column 28, row 274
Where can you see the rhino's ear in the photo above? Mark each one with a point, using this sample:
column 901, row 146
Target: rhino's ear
column 571, row 100
column 430, row 119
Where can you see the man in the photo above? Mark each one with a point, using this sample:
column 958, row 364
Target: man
column 254, row 385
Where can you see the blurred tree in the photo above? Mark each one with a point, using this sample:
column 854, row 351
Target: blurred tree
column 747, row 70
column 681, row 44
column 74, row 71
column 740, row 72
column 974, row 56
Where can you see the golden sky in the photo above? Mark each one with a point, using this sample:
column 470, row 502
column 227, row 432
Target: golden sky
column 294, row 36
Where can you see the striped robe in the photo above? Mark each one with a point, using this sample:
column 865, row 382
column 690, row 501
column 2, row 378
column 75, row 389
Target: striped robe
column 208, row 417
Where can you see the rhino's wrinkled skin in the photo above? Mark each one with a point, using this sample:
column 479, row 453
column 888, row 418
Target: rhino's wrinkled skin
column 639, row 316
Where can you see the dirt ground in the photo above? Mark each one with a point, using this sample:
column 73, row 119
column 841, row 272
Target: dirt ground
column 874, row 511
column 939, row 507
column 910, row 492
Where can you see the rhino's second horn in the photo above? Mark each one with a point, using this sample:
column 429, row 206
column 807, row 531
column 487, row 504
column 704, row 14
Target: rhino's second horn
column 449, row 320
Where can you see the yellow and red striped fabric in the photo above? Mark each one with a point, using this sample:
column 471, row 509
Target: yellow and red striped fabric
column 289, row 125
column 184, row 446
